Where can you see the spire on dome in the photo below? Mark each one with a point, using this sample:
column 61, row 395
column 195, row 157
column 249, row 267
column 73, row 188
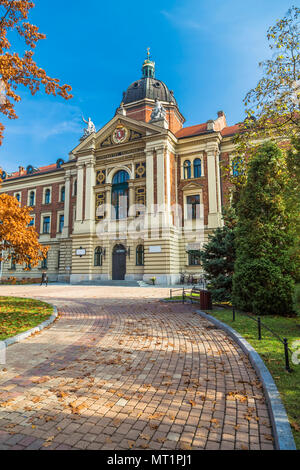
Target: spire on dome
column 148, row 68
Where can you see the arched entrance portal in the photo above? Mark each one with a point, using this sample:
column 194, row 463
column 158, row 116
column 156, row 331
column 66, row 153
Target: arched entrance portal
column 119, row 263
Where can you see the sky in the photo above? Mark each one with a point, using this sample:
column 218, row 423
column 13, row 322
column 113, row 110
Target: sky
column 206, row 51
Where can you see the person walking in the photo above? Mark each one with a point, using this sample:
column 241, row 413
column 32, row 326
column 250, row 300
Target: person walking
column 44, row 279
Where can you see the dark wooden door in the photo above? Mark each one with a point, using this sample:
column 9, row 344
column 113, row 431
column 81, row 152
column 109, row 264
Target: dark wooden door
column 119, row 263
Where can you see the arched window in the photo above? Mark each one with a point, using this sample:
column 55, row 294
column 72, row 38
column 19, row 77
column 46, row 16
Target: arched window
column 119, row 195
column 120, row 177
column 18, row 197
column 140, row 255
column 47, row 196
column 98, row 256
column 62, row 194
column 31, row 198
column 187, row 169
column 197, row 168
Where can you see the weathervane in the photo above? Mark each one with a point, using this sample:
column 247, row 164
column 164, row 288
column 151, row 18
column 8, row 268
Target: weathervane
column 148, row 52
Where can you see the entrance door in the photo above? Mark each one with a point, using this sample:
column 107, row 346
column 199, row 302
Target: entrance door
column 119, row 263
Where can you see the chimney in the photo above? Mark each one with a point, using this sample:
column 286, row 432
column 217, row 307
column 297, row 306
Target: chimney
column 21, row 170
column 220, row 122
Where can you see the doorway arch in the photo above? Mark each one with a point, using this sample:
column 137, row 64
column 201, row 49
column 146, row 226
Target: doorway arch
column 119, row 263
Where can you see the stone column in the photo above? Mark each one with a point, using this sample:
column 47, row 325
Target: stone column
column 65, row 232
column 149, row 180
column 89, row 191
column 160, row 177
column 214, row 215
column 79, row 199
column 108, row 201
column 131, row 201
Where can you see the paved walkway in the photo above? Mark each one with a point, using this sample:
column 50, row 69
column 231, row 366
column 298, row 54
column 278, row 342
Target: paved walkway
column 121, row 370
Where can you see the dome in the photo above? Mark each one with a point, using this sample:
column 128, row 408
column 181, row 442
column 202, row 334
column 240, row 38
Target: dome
column 148, row 86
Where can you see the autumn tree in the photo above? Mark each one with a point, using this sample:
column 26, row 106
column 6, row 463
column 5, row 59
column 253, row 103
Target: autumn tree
column 273, row 106
column 16, row 69
column 18, row 240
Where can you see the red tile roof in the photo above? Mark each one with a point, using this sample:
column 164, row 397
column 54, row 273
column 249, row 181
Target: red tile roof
column 202, row 128
column 192, row 131
column 42, row 169
column 230, row 130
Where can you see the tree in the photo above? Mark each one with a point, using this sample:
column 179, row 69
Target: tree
column 17, row 239
column 262, row 281
column 218, row 256
column 292, row 195
column 273, row 106
column 18, row 70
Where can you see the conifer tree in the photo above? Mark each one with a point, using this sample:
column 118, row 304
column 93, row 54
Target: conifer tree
column 262, row 281
column 218, row 256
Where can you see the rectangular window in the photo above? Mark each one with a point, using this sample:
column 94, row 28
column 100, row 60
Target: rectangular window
column 194, row 259
column 32, row 198
column 62, row 194
column 31, row 223
column 47, row 196
column 13, row 263
column 46, row 224
column 45, row 263
column 61, row 223
column 193, row 207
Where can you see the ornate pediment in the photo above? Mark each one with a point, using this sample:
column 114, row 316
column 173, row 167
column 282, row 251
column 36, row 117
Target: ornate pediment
column 190, row 186
column 120, row 135
column 120, row 130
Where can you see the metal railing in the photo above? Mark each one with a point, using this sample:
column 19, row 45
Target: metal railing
column 284, row 341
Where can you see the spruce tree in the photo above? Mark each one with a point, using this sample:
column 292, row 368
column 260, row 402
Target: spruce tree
column 218, row 256
column 262, row 281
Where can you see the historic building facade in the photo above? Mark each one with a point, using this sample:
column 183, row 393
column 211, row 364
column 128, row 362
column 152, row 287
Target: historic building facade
column 133, row 197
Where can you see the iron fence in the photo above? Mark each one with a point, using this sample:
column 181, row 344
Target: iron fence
column 284, row 341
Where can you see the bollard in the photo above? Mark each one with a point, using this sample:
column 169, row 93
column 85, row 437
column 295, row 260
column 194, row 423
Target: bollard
column 233, row 313
column 286, row 353
column 171, row 294
column 183, row 295
column 259, row 328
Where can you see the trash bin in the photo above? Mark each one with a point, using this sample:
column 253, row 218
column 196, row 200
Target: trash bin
column 205, row 300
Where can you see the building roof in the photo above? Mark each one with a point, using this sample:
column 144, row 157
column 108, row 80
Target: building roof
column 21, row 173
column 199, row 129
column 230, row 130
column 192, row 131
column 150, row 88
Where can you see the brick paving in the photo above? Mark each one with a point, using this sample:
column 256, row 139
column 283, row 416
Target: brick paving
column 121, row 370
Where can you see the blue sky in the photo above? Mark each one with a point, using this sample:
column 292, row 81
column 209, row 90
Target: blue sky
column 206, row 51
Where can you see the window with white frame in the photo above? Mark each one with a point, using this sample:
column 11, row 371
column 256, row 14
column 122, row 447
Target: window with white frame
column 47, row 196
column 31, row 198
column 46, row 224
column 32, row 221
column 18, row 196
column 193, row 206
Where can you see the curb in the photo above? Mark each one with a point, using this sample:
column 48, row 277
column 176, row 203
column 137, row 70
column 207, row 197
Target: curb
column 20, row 337
column 283, row 436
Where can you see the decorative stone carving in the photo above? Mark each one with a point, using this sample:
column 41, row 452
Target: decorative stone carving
column 90, row 129
column 158, row 112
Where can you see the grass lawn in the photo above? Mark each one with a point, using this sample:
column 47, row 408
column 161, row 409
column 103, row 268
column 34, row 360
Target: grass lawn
column 272, row 352
column 18, row 315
